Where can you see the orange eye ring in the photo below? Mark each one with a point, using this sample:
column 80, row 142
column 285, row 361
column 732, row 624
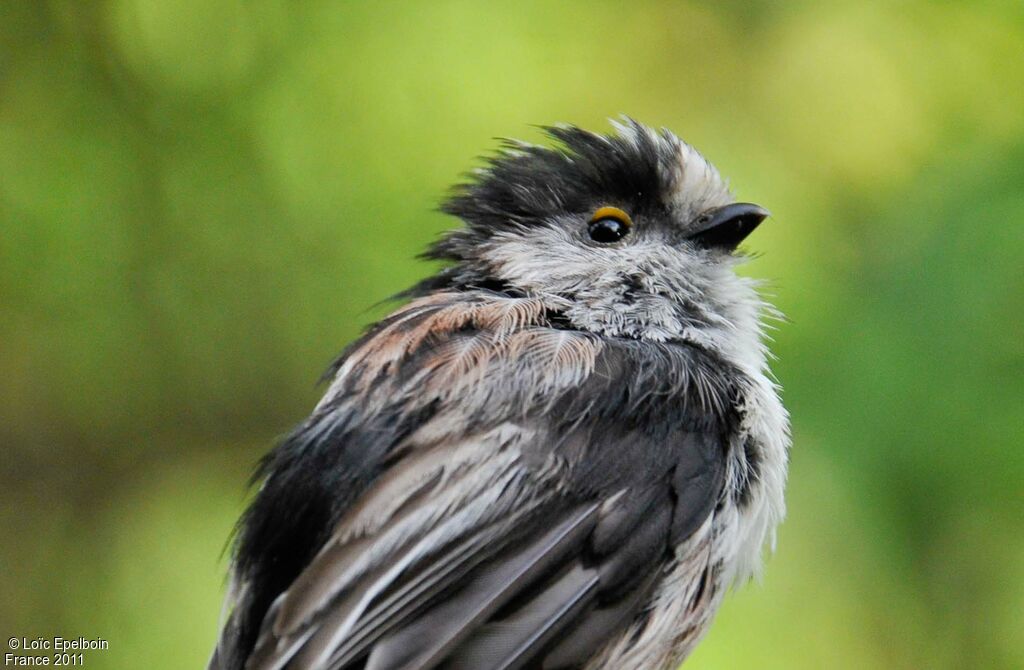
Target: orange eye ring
column 609, row 225
column 612, row 213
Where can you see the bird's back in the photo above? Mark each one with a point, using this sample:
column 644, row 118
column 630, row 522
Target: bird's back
column 439, row 528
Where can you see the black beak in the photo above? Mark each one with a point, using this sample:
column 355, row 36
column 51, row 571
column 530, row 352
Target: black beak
column 725, row 227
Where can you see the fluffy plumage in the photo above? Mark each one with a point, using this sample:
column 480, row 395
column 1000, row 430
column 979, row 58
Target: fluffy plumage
column 559, row 454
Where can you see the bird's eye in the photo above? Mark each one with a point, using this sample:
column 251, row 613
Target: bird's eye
column 609, row 224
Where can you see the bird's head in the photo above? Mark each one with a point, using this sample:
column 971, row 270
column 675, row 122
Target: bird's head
column 633, row 234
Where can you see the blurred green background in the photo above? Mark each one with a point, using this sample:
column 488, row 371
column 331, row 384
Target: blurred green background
column 201, row 201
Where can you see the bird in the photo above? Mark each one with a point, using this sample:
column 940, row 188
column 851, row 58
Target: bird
column 559, row 452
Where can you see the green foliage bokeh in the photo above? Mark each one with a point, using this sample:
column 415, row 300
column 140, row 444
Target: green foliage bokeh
column 202, row 201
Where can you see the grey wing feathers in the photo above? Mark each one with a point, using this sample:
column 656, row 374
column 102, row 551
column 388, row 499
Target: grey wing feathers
column 513, row 642
column 434, row 634
column 412, row 523
column 545, row 589
column 497, row 583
